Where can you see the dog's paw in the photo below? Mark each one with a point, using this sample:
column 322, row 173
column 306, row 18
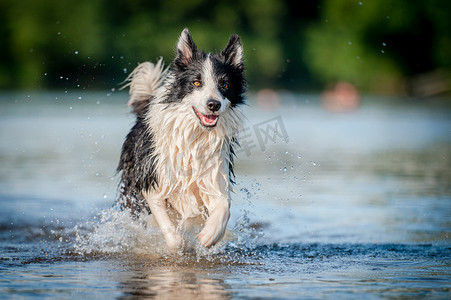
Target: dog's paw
column 210, row 235
column 214, row 229
column 174, row 242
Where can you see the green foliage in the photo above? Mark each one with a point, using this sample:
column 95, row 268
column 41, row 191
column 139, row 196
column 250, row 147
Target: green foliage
column 378, row 44
column 288, row 44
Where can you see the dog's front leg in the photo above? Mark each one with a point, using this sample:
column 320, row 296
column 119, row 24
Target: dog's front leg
column 216, row 223
column 158, row 207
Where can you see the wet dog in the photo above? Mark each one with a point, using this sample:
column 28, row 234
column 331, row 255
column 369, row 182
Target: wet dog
column 177, row 160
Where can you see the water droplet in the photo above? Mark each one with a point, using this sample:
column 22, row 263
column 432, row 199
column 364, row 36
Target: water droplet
column 384, row 44
column 76, row 52
column 299, row 155
column 349, row 43
column 360, row 3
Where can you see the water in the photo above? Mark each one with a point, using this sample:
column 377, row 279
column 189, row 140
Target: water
column 354, row 205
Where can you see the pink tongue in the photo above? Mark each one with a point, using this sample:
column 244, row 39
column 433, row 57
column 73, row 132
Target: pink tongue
column 209, row 119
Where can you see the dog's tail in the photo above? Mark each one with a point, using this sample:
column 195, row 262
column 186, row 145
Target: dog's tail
column 143, row 82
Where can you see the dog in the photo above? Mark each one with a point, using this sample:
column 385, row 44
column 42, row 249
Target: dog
column 177, row 160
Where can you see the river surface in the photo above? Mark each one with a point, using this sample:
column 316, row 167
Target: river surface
column 326, row 205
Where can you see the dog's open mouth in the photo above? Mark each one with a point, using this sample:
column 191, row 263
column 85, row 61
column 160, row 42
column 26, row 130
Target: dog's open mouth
column 206, row 120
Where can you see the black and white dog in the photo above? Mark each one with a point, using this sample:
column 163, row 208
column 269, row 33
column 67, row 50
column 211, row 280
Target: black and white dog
column 177, row 160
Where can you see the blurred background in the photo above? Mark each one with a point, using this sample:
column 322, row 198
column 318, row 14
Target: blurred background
column 384, row 47
column 351, row 98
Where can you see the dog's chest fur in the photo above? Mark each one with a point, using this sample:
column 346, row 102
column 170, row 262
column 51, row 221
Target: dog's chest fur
column 192, row 163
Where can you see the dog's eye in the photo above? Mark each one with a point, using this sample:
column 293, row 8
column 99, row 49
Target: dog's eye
column 196, row 83
column 225, row 85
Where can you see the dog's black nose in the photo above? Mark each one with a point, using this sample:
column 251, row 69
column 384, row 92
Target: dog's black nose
column 213, row 105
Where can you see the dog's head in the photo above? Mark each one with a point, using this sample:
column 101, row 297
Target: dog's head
column 208, row 84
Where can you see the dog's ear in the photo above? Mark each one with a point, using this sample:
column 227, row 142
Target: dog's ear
column 186, row 49
column 233, row 52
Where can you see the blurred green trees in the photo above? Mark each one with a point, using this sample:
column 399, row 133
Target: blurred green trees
column 379, row 46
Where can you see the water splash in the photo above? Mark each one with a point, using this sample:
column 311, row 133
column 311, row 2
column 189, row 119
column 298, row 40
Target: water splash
column 118, row 232
column 115, row 231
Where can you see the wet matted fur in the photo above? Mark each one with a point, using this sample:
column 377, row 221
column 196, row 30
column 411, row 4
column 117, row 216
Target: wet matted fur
column 177, row 160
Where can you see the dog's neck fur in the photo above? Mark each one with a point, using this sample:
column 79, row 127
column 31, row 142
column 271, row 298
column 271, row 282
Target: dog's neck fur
column 192, row 161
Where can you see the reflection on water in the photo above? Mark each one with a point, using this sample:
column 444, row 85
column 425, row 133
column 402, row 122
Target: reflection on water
column 172, row 283
column 355, row 204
